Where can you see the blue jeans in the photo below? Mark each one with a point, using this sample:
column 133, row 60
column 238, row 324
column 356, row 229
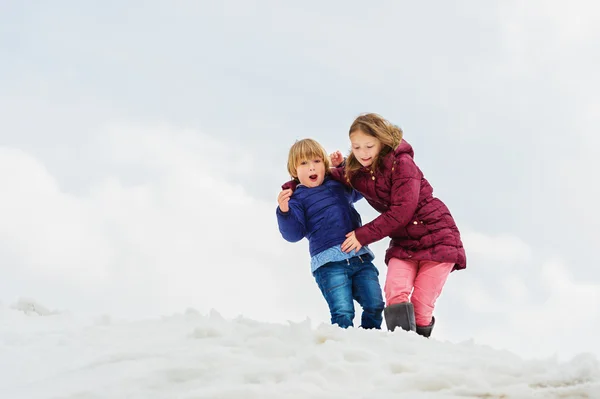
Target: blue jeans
column 345, row 281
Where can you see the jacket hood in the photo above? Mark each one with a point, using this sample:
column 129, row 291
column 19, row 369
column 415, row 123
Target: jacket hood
column 404, row 148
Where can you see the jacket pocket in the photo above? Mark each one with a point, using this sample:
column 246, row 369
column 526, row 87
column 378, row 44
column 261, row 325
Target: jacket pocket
column 417, row 229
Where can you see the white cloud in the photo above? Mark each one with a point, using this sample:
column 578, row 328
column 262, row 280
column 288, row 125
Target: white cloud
column 184, row 236
column 45, row 229
column 563, row 316
column 521, row 300
column 578, row 176
column 505, row 248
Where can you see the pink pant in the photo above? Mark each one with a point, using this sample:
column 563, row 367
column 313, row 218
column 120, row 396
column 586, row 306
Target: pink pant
column 426, row 277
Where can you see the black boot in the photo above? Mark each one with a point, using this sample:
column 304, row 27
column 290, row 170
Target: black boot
column 426, row 331
column 400, row 315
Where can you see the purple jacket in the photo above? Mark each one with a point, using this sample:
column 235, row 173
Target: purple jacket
column 420, row 225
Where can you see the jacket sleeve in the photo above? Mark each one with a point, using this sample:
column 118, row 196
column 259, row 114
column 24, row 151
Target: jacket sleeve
column 290, row 184
column 291, row 223
column 339, row 174
column 404, row 197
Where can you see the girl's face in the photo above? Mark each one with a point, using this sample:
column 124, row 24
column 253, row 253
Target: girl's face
column 364, row 147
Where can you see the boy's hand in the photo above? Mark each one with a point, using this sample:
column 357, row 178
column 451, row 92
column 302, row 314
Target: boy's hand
column 351, row 243
column 283, row 199
column 336, row 158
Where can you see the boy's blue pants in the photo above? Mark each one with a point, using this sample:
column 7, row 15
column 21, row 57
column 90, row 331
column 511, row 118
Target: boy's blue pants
column 343, row 282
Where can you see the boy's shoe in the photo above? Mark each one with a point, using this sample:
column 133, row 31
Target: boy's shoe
column 400, row 315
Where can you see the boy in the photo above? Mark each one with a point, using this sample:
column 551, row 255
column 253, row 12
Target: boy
column 321, row 209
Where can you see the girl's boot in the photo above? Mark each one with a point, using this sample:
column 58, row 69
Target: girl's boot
column 426, row 331
column 400, row 315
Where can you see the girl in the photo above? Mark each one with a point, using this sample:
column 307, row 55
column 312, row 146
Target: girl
column 425, row 242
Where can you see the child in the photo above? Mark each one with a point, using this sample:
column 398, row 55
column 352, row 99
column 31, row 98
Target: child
column 425, row 242
column 321, row 209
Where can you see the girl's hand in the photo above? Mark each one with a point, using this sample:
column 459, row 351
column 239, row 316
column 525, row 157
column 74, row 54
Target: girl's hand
column 283, row 199
column 351, row 243
column 336, row 158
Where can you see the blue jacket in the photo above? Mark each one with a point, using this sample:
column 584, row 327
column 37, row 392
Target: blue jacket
column 323, row 214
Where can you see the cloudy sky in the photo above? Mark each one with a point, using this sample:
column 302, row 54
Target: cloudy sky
column 143, row 143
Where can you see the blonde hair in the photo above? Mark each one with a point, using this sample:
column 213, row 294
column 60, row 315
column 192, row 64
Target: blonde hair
column 376, row 126
column 303, row 150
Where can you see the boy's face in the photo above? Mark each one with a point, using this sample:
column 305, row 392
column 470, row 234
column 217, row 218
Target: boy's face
column 311, row 172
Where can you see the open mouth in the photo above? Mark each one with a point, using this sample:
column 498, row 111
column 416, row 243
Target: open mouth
column 366, row 159
column 313, row 177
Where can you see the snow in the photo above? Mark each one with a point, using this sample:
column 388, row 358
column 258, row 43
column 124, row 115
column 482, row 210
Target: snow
column 54, row 354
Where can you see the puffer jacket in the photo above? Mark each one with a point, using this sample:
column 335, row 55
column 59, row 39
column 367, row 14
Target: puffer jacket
column 323, row 214
column 420, row 225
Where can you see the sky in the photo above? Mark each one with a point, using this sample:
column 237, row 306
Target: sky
column 143, row 144
column 196, row 355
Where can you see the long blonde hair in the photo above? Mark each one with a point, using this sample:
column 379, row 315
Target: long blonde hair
column 376, row 126
column 303, row 150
